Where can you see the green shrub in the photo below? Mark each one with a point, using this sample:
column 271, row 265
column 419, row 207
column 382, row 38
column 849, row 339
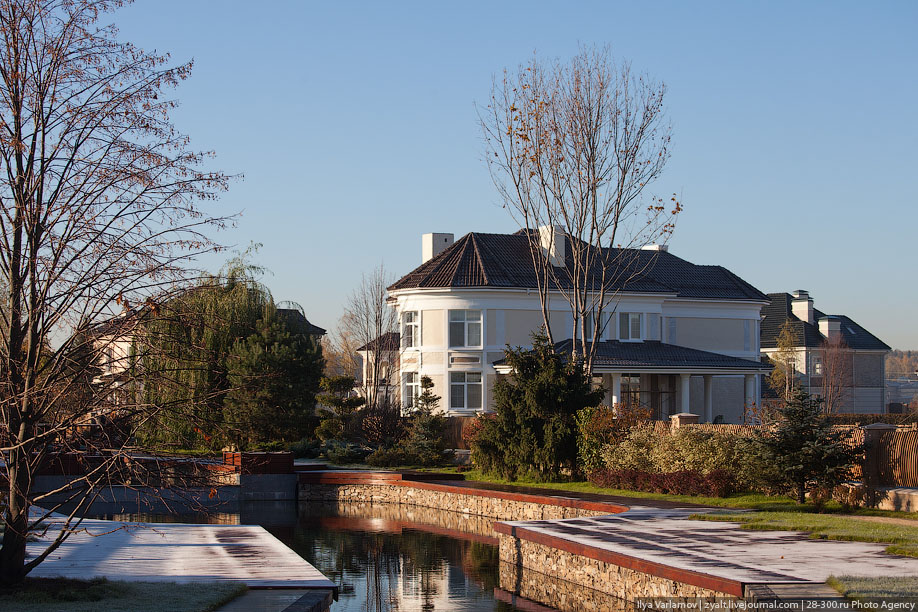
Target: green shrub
column 329, row 428
column 657, row 450
column 534, row 431
column 388, row 457
column 599, row 426
column 342, row 453
column 307, row 448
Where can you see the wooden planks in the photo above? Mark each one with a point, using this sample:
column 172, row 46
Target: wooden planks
column 176, row 552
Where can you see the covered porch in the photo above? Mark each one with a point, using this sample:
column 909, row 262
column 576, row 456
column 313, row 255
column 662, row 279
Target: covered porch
column 665, row 377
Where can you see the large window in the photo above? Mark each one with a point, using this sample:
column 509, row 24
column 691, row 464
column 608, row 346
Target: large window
column 411, row 330
column 412, row 389
column 629, row 325
column 465, row 390
column 465, row 328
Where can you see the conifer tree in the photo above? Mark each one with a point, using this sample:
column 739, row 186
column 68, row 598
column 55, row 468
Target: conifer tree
column 805, row 450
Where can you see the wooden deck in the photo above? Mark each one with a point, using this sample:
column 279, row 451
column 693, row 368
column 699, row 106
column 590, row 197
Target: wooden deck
column 174, row 552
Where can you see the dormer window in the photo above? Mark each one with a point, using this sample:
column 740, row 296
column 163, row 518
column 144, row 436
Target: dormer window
column 464, row 328
column 629, row 326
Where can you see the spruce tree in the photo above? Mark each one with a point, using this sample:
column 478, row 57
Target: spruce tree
column 805, row 450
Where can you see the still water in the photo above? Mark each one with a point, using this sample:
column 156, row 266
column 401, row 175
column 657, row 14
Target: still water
column 383, row 557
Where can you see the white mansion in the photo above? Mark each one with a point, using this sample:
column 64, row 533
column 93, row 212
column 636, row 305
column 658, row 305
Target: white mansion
column 682, row 338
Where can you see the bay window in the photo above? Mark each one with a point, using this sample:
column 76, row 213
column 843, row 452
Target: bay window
column 412, row 389
column 464, row 328
column 411, row 330
column 465, row 390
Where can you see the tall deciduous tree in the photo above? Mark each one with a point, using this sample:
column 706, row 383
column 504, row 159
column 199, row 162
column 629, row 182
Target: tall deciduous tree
column 99, row 208
column 837, row 371
column 783, row 378
column 574, row 146
column 368, row 317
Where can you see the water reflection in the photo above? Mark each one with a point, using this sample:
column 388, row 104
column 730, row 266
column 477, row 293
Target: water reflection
column 385, row 562
column 384, row 557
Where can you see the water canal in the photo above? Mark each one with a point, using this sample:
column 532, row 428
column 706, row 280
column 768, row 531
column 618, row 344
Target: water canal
column 383, row 557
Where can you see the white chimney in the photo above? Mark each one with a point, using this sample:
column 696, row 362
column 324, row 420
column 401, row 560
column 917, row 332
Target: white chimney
column 802, row 306
column 434, row 244
column 655, row 247
column 830, row 327
column 552, row 241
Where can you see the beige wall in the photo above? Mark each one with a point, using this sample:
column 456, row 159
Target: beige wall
column 710, row 334
column 440, row 389
column 432, row 328
column 519, row 325
column 433, row 357
column 491, row 332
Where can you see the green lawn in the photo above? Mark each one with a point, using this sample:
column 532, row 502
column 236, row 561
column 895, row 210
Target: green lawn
column 888, row 586
column 746, row 501
column 64, row 595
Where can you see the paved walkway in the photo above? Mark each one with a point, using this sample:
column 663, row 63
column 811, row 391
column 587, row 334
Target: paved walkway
column 174, row 552
column 724, row 550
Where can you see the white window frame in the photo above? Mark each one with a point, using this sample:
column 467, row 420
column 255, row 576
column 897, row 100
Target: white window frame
column 453, row 317
column 412, row 388
column 631, row 316
column 461, row 380
column 414, row 326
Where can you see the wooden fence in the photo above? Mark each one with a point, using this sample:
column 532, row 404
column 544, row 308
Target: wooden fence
column 896, row 454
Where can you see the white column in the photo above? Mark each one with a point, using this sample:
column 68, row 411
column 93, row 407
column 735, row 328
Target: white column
column 686, row 392
column 616, row 388
column 708, row 398
column 750, row 398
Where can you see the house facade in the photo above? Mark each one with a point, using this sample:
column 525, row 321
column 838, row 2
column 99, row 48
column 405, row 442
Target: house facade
column 831, row 354
column 679, row 337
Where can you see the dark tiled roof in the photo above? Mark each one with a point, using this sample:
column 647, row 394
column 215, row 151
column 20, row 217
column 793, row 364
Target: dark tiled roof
column 390, row 341
column 807, row 334
column 504, row 261
column 298, row 321
column 653, row 355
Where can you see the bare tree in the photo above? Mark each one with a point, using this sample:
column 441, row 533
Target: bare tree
column 99, row 212
column 573, row 146
column 836, row 373
column 368, row 322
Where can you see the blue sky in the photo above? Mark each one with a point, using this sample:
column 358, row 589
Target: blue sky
column 354, row 125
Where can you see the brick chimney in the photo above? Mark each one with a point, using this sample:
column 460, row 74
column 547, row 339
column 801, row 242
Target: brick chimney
column 434, row 244
column 802, row 306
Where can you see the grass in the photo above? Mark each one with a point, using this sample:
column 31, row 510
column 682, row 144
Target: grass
column 766, row 512
column 66, row 595
column 885, row 586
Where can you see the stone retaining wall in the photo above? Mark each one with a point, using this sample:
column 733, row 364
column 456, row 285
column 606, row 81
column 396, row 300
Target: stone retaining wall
column 492, row 504
column 518, row 555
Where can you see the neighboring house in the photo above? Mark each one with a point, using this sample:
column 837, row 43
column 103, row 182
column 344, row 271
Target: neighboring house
column 858, row 368
column 383, row 353
column 296, row 320
column 680, row 337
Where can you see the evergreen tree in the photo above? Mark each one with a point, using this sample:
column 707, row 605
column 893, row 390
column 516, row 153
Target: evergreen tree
column 804, row 449
column 273, row 376
column 337, row 394
column 424, row 443
column 535, row 430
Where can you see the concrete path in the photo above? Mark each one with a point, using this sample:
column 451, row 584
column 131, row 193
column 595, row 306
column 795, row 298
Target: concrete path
column 174, row 552
column 724, row 550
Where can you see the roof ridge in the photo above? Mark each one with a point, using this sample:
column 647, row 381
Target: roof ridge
column 481, row 260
